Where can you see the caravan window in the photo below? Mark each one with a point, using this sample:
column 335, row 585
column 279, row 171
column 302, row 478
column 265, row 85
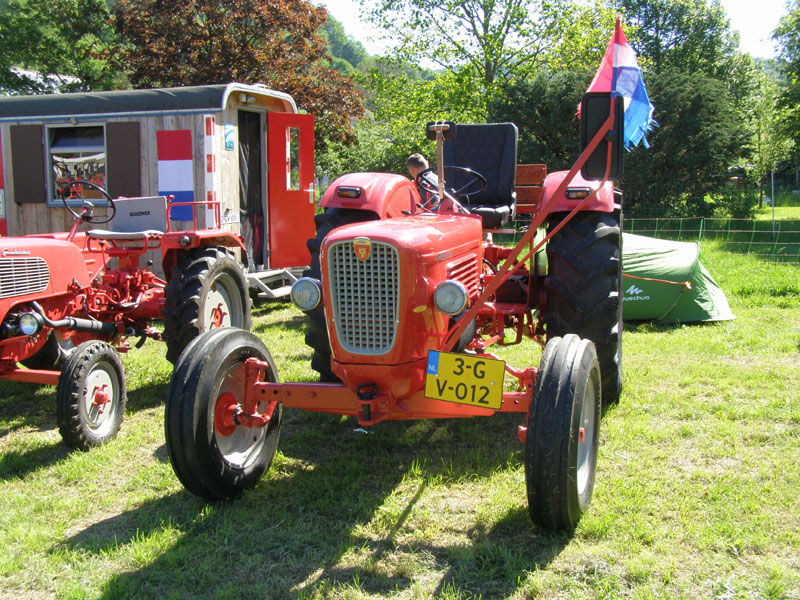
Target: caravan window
column 76, row 153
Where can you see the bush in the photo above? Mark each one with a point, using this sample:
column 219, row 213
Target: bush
column 736, row 202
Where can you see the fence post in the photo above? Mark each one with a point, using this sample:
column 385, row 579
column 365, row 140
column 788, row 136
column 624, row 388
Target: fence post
column 700, row 233
column 655, row 232
column 752, row 235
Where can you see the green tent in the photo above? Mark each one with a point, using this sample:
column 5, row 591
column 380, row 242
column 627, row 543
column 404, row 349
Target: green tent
column 665, row 281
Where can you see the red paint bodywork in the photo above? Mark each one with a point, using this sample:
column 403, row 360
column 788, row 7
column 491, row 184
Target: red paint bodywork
column 377, row 387
column 603, row 201
column 81, row 285
column 387, row 195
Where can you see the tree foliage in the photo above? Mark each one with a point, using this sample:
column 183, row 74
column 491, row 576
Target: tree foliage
column 787, row 34
column 491, row 39
column 543, row 108
column 699, row 137
column 274, row 42
column 59, row 45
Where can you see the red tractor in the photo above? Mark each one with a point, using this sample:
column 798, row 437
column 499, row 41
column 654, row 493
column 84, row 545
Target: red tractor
column 405, row 296
column 65, row 311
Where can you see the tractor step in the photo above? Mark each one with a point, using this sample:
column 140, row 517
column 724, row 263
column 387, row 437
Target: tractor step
column 272, row 284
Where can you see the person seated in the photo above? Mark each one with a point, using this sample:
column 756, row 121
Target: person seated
column 416, row 163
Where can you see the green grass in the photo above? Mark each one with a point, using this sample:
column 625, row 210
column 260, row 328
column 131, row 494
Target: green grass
column 696, row 492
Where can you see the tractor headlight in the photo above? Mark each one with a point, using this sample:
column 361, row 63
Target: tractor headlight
column 450, row 297
column 30, row 323
column 306, row 293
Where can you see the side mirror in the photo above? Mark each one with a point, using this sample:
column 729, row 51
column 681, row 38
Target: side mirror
column 595, row 108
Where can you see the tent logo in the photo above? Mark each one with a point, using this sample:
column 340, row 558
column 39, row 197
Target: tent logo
column 633, row 293
column 633, row 290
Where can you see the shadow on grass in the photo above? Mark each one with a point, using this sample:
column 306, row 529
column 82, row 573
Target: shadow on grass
column 310, row 525
column 28, row 407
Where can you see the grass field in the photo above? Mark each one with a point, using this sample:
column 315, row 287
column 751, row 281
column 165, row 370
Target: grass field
column 696, row 496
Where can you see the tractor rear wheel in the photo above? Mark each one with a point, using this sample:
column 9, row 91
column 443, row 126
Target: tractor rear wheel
column 562, row 437
column 91, row 396
column 584, row 289
column 317, row 333
column 207, row 290
column 213, row 459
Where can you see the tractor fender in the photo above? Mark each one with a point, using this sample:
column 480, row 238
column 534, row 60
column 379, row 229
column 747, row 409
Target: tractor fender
column 385, row 194
column 602, row 202
column 173, row 243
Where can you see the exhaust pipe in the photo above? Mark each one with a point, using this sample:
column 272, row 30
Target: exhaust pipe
column 76, row 323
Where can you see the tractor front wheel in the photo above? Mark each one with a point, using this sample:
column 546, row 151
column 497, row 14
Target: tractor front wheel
column 207, row 290
column 213, row 456
column 562, row 437
column 91, row 396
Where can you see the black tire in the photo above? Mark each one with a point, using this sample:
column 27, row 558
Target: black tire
column 584, row 289
column 317, row 333
column 208, row 464
column 51, row 356
column 206, row 282
column 85, row 419
column 559, row 466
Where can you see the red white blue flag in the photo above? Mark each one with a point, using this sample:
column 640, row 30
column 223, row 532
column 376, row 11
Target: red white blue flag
column 175, row 170
column 619, row 72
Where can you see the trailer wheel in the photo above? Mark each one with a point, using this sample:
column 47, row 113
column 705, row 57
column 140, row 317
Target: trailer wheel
column 213, row 461
column 207, row 290
column 562, row 437
column 584, row 289
column 317, row 333
column 91, row 396
column 52, row 355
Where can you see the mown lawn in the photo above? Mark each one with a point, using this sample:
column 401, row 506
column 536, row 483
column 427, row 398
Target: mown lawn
column 696, row 496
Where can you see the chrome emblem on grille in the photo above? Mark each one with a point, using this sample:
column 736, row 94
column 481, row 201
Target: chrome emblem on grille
column 362, row 247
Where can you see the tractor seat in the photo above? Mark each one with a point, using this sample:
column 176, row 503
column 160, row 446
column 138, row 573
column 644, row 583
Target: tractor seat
column 135, row 219
column 491, row 150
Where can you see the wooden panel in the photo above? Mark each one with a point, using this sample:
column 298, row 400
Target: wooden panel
column 528, row 199
column 123, row 159
column 531, row 174
column 27, row 164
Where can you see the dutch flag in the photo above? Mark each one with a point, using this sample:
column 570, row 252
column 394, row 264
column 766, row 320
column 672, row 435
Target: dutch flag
column 175, row 170
column 620, row 72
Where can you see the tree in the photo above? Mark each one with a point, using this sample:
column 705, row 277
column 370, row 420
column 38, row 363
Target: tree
column 274, row 42
column 770, row 143
column 687, row 35
column 543, row 107
column 492, row 40
column 59, row 45
column 787, row 34
column 699, row 137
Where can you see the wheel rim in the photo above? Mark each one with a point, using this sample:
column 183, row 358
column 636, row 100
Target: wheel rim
column 586, row 434
column 243, row 445
column 100, row 399
column 223, row 303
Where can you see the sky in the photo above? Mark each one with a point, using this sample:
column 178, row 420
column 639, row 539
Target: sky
column 755, row 21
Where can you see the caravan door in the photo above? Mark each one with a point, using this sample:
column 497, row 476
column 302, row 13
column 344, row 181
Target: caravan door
column 290, row 200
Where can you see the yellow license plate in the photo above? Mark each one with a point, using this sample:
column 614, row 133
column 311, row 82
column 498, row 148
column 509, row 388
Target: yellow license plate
column 465, row 379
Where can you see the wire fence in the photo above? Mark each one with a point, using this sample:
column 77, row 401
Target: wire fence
column 777, row 241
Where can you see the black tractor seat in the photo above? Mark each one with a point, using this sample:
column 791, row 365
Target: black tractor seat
column 491, row 150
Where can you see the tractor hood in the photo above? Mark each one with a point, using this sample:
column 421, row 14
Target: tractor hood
column 378, row 284
column 33, row 268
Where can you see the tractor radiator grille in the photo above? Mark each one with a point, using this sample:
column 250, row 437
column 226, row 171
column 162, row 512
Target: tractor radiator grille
column 365, row 296
column 21, row 276
column 466, row 271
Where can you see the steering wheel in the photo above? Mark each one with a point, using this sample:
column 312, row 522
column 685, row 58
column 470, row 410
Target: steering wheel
column 88, row 206
column 431, row 186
